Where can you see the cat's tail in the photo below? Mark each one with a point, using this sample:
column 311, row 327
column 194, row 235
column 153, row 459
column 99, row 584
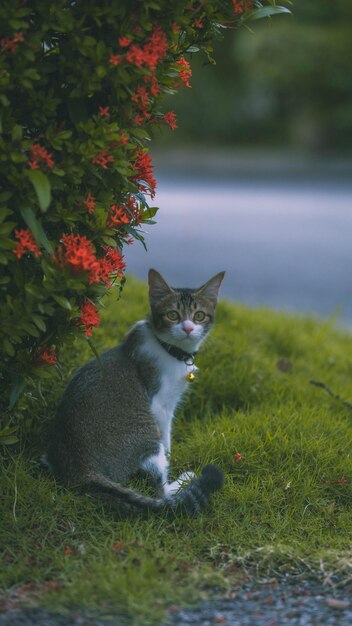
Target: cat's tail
column 189, row 500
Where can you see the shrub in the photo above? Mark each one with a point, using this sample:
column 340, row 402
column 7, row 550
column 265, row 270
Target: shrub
column 81, row 87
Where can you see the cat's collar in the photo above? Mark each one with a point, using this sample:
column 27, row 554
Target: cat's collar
column 178, row 353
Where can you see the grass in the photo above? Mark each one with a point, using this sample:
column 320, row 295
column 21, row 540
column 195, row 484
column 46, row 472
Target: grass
column 285, row 507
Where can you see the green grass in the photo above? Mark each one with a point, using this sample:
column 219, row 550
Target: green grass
column 284, row 507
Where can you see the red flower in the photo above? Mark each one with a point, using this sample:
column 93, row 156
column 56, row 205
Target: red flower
column 111, row 264
column 123, row 139
column 115, row 59
column 120, row 214
column 144, row 172
column 40, row 156
column 170, row 119
column 68, row 551
column 139, row 119
column 135, row 56
column 238, row 457
column 102, row 159
column 11, row 44
column 104, row 111
column 89, row 202
column 118, row 545
column 25, row 244
column 152, row 53
column 185, row 71
column 45, row 355
column 124, row 42
column 156, row 49
column 77, row 254
column 154, row 85
column 89, row 317
column 342, row 481
column 141, row 98
column 240, row 6
column 198, row 23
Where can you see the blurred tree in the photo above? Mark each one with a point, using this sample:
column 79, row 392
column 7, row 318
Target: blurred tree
column 290, row 86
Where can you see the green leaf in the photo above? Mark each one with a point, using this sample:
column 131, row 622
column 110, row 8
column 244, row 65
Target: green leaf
column 7, row 228
column 8, row 347
column 62, row 301
column 259, row 14
column 150, row 212
column 96, row 354
column 39, row 322
column 37, row 229
column 110, row 241
column 30, row 329
column 7, row 441
column 42, row 187
column 5, row 195
column 16, row 391
column 4, row 213
column 17, row 132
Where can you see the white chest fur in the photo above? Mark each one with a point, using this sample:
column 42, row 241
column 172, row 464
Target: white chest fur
column 165, row 401
column 172, row 386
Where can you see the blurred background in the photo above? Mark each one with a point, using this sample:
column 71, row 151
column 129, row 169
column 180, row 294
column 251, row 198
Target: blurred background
column 257, row 179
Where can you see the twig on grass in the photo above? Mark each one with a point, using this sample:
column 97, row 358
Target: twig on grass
column 318, row 383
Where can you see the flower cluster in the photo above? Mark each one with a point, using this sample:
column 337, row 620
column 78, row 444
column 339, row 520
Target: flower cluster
column 78, row 255
column 104, row 111
column 115, row 59
column 240, row 6
column 89, row 203
column 103, row 158
column 89, row 317
column 184, row 71
column 111, row 264
column 122, row 214
column 25, row 244
column 150, row 54
column 45, row 355
column 10, row 45
column 40, row 156
column 170, row 119
column 141, row 98
column 143, row 166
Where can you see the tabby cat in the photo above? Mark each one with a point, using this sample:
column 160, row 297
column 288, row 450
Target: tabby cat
column 114, row 421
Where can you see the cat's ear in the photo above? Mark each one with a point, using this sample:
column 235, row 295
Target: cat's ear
column 158, row 287
column 211, row 288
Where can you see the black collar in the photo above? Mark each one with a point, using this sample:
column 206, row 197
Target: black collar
column 178, row 353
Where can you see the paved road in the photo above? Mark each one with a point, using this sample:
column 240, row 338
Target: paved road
column 286, row 245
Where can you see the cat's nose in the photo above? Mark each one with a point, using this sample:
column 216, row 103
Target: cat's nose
column 187, row 327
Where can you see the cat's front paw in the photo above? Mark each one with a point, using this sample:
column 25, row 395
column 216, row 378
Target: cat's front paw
column 172, row 488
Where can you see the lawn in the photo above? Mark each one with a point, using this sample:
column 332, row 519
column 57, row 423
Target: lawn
column 283, row 443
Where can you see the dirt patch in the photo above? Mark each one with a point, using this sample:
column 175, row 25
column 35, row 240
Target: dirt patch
column 305, row 603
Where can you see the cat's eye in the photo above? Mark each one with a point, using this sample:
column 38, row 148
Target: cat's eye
column 199, row 316
column 173, row 316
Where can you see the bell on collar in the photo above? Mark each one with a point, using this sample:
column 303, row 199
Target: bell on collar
column 190, row 377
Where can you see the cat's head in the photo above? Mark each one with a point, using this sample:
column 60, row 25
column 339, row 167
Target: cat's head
column 182, row 317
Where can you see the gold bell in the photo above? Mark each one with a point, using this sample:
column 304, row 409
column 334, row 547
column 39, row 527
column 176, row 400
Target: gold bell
column 190, row 377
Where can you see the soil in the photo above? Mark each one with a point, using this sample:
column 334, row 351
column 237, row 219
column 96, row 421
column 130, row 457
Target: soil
column 276, row 603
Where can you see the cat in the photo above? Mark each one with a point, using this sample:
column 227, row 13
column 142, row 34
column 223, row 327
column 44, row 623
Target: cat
column 115, row 418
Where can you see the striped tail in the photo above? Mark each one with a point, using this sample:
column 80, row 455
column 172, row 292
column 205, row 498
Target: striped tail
column 189, row 500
